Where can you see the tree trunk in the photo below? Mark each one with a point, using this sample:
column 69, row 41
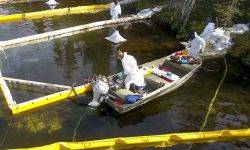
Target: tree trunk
column 185, row 12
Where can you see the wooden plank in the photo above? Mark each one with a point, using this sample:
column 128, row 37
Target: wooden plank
column 34, row 86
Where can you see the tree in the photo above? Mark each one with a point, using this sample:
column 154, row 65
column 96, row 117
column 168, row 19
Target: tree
column 226, row 11
column 186, row 10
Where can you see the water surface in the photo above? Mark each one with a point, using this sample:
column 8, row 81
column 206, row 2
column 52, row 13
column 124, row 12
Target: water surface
column 71, row 59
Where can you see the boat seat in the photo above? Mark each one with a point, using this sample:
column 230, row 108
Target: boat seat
column 121, row 93
column 153, row 81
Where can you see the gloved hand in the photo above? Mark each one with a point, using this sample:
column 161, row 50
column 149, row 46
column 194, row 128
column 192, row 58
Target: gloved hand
column 121, row 74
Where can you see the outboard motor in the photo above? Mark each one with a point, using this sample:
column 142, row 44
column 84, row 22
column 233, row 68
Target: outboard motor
column 116, row 83
column 100, row 89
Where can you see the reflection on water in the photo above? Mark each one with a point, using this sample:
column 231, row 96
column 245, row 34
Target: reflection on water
column 65, row 61
column 37, row 122
column 115, row 43
column 71, row 59
column 112, row 58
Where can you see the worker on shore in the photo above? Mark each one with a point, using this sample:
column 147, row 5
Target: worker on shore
column 131, row 70
column 195, row 44
column 115, row 10
column 209, row 29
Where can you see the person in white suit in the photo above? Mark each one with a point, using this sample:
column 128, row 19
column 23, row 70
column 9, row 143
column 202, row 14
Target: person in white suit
column 115, row 10
column 195, row 44
column 134, row 74
column 209, row 29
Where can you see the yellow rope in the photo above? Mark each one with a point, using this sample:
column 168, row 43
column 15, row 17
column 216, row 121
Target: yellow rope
column 215, row 95
column 213, row 99
column 78, row 123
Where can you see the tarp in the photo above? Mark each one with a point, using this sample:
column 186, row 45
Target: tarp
column 240, row 28
column 116, row 37
column 149, row 11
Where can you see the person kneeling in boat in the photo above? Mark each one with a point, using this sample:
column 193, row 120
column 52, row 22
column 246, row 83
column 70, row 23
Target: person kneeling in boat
column 195, row 44
column 133, row 74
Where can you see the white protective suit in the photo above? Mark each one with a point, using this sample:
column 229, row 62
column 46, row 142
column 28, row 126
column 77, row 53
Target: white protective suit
column 196, row 45
column 207, row 33
column 115, row 11
column 134, row 75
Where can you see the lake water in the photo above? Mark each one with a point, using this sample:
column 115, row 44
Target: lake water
column 71, row 59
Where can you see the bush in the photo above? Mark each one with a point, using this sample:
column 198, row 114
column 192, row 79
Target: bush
column 241, row 48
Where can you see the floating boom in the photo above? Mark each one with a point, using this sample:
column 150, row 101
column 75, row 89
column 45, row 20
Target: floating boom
column 49, row 99
column 166, row 140
column 54, row 12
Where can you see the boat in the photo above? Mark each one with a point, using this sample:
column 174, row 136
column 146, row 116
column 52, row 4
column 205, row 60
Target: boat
column 157, row 82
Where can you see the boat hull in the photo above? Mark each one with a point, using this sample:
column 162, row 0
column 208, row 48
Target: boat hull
column 189, row 69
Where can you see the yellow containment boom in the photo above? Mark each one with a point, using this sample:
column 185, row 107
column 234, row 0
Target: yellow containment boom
column 49, row 99
column 54, row 12
column 68, row 93
column 166, row 140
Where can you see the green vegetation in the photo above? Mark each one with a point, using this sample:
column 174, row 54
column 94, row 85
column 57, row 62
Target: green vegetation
column 240, row 57
column 182, row 18
column 241, row 48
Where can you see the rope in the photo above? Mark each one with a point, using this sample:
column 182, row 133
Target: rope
column 74, row 91
column 213, row 99
column 78, row 123
column 7, row 131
